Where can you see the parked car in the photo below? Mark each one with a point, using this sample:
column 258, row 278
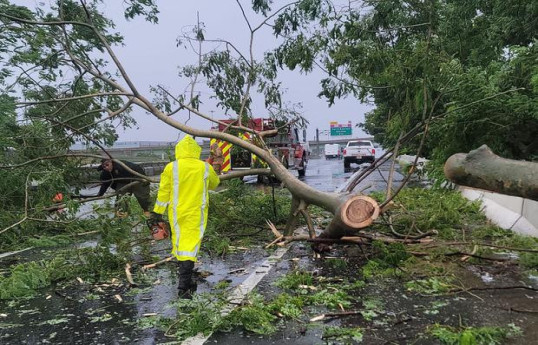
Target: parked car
column 332, row 151
column 359, row 151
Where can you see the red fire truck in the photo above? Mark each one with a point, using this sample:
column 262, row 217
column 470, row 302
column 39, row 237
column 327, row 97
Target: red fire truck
column 286, row 144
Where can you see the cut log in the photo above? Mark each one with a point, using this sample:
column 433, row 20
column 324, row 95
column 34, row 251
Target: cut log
column 483, row 169
column 357, row 212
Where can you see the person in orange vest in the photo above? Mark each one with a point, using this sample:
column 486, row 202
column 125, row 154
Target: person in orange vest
column 216, row 158
column 58, row 198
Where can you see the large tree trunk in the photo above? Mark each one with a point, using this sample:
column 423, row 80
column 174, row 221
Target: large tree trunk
column 481, row 168
column 354, row 212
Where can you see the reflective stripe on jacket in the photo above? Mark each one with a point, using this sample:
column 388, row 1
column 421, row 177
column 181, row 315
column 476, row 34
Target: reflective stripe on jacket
column 184, row 188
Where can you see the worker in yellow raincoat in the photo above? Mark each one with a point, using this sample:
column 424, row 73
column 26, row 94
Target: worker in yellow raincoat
column 184, row 189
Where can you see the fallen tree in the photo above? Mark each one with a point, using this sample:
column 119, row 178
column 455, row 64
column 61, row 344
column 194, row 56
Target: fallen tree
column 481, row 168
column 113, row 85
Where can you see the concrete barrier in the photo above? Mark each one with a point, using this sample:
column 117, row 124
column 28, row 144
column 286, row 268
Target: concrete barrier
column 153, row 168
column 509, row 212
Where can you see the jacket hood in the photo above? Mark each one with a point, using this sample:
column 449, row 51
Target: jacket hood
column 188, row 148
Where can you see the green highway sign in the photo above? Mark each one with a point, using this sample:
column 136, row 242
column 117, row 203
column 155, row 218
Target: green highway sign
column 335, row 131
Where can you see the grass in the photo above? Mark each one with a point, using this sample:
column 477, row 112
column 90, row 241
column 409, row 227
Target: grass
column 343, row 334
column 372, row 307
column 429, row 286
column 261, row 315
column 387, row 261
column 91, row 263
column 473, row 335
column 255, row 316
column 50, row 241
column 456, row 220
column 294, row 280
column 238, row 215
column 202, row 315
column 434, row 209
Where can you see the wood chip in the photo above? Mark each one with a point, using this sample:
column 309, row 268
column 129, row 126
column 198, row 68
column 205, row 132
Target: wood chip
column 273, row 229
column 118, row 297
column 467, row 257
column 278, row 239
column 204, row 274
column 48, row 297
column 3, row 255
column 149, row 314
column 317, row 318
column 145, row 267
column 129, row 275
column 80, row 280
column 237, row 248
column 332, row 315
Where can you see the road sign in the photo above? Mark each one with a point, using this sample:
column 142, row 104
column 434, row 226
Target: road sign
column 335, row 131
column 340, row 129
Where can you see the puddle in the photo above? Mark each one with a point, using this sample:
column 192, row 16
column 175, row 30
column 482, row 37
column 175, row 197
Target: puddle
column 87, row 314
column 487, row 278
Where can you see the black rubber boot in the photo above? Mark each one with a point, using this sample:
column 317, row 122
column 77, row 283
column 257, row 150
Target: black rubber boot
column 186, row 287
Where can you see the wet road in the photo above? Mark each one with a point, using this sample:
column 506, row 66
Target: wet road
column 328, row 175
column 84, row 313
column 90, row 315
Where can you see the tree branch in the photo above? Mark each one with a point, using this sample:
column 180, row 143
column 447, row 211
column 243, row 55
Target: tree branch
column 104, row 94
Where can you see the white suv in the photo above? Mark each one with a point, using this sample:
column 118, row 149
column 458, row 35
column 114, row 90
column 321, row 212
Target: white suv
column 359, row 151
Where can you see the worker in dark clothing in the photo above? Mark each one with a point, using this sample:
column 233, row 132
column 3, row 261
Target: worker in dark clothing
column 117, row 177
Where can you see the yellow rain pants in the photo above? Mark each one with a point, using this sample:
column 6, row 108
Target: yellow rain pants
column 184, row 189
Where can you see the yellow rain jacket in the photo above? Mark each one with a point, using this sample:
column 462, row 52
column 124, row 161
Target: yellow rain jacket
column 184, row 188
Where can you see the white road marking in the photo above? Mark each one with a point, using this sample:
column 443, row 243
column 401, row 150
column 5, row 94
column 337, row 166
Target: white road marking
column 239, row 293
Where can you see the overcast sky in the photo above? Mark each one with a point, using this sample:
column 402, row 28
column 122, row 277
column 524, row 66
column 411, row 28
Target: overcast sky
column 151, row 57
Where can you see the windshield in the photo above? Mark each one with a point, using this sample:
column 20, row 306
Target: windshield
column 360, row 143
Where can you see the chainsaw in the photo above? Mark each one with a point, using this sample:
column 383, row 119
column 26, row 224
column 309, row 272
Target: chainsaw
column 159, row 229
